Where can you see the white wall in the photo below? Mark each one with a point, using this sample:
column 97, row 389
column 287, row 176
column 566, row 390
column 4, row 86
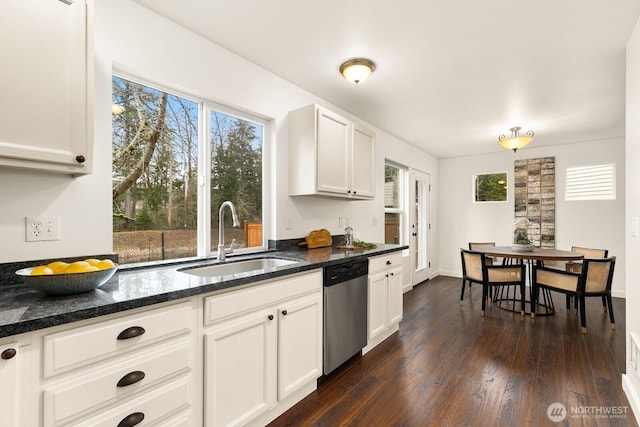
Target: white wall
column 130, row 39
column 631, row 380
column 597, row 224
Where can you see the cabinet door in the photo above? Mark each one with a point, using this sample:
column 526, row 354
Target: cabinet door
column 44, row 120
column 333, row 153
column 394, row 295
column 10, row 383
column 362, row 163
column 299, row 344
column 377, row 304
column 240, row 368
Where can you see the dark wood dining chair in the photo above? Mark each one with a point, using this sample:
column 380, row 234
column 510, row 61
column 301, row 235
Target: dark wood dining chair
column 594, row 280
column 476, row 270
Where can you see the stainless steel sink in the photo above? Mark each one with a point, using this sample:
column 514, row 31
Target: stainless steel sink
column 238, row 269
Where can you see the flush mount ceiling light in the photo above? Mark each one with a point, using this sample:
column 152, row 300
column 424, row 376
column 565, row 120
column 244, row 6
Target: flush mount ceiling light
column 515, row 141
column 357, row 70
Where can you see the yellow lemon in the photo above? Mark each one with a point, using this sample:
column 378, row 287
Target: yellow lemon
column 41, row 270
column 105, row 264
column 80, row 267
column 93, row 261
column 58, row 267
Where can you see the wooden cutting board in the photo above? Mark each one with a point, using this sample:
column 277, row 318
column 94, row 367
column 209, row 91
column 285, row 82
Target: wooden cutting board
column 318, row 239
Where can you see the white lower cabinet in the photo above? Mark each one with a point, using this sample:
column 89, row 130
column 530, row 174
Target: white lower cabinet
column 146, row 409
column 240, row 369
column 119, row 370
column 385, row 298
column 258, row 359
column 15, row 382
column 257, row 352
column 299, row 344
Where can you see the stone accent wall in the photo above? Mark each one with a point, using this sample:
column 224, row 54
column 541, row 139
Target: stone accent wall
column 535, row 198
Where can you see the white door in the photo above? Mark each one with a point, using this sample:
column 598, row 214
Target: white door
column 419, row 244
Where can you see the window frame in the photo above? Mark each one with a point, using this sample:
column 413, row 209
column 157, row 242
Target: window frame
column 204, row 156
column 205, row 106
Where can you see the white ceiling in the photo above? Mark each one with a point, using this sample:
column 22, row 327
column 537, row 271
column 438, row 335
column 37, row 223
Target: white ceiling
column 451, row 75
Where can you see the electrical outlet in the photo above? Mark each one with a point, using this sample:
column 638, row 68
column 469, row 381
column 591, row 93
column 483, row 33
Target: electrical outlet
column 41, row 229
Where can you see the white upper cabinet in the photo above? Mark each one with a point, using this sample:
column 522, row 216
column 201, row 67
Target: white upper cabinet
column 45, row 119
column 329, row 155
column 333, row 152
column 362, row 171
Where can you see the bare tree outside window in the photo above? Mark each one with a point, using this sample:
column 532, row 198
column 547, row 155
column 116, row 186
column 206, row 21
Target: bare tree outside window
column 155, row 173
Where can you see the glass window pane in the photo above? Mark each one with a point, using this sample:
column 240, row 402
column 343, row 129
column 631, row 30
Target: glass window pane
column 155, row 164
column 236, row 175
column 392, row 228
column 391, row 187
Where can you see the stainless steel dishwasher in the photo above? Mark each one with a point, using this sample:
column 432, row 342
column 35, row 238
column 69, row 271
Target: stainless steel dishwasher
column 345, row 313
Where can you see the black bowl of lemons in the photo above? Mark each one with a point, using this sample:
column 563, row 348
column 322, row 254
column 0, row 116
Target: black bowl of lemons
column 62, row 278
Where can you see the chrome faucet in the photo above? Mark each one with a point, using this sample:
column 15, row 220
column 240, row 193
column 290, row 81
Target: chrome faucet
column 222, row 252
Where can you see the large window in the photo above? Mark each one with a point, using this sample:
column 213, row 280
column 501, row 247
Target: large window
column 394, row 203
column 161, row 154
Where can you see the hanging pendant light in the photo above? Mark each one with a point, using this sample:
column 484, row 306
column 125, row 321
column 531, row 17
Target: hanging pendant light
column 515, row 141
column 357, row 70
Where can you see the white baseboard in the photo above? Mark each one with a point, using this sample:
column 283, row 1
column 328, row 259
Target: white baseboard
column 632, row 395
column 456, row 273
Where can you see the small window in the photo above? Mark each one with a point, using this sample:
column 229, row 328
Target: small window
column 394, row 203
column 591, row 183
column 490, row 187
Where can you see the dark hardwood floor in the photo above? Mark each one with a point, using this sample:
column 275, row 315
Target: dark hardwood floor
column 448, row 366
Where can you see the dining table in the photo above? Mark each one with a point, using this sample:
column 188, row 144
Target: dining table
column 537, row 255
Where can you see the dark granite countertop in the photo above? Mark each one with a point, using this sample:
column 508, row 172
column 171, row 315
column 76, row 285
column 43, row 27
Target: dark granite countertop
column 23, row 309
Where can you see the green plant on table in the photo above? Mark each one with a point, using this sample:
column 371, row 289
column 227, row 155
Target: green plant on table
column 520, row 237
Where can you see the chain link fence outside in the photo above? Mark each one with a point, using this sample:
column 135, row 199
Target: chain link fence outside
column 155, row 245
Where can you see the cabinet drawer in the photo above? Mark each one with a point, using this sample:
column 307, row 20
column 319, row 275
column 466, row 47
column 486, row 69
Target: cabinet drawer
column 184, row 419
column 81, row 346
column 385, row 262
column 152, row 407
column 218, row 307
column 101, row 387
